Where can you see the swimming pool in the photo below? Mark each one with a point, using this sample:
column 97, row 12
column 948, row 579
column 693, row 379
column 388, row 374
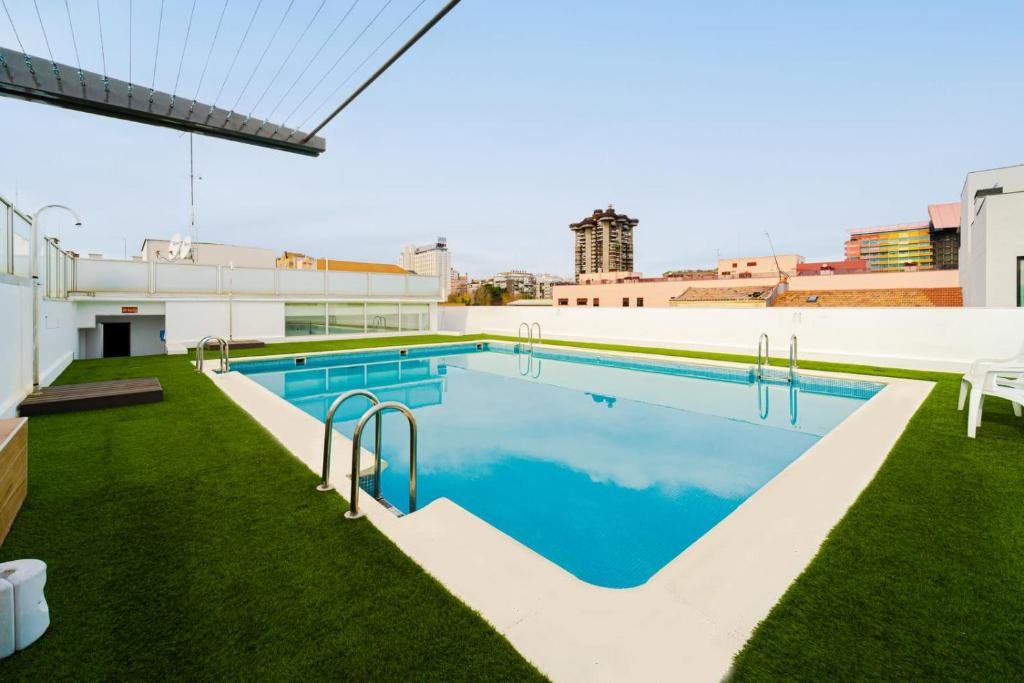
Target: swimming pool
column 608, row 466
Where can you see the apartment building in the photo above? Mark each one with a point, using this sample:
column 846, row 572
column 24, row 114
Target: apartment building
column 430, row 259
column 604, row 242
column 903, row 246
column 759, row 266
column 919, row 245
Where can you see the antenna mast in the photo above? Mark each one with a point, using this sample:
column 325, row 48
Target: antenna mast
column 192, row 196
column 772, row 246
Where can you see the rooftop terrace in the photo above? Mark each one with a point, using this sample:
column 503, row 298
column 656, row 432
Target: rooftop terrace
column 153, row 550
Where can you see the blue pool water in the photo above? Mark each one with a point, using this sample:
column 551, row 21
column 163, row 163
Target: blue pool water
column 608, row 467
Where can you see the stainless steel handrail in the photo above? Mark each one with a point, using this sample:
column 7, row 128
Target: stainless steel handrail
column 793, row 400
column 792, row 359
column 529, row 335
column 201, row 353
column 763, row 339
column 325, row 479
column 357, row 436
column 537, row 325
column 762, row 399
column 528, row 370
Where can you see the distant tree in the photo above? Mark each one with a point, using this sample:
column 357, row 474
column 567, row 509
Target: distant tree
column 489, row 295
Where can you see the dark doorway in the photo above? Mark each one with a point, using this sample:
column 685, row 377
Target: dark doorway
column 117, row 340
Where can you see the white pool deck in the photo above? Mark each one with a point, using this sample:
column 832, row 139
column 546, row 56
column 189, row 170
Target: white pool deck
column 691, row 618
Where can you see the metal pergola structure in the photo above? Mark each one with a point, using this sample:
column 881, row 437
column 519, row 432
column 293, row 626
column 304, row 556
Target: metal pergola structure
column 41, row 79
column 92, row 93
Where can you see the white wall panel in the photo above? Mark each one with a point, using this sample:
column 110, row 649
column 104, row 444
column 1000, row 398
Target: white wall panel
column 924, row 338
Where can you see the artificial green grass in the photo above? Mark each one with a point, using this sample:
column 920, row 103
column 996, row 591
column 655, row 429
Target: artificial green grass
column 184, row 543
column 923, row 579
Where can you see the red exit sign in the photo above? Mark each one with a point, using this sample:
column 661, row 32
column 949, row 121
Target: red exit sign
column 129, row 309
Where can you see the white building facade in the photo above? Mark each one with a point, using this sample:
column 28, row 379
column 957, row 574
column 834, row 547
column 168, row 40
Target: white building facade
column 213, row 254
column 92, row 308
column 992, row 238
column 431, row 259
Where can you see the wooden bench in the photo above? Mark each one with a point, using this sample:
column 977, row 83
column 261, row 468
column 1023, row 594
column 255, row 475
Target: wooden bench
column 13, row 470
column 70, row 398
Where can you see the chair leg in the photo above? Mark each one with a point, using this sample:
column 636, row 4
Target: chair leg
column 973, row 414
column 964, row 386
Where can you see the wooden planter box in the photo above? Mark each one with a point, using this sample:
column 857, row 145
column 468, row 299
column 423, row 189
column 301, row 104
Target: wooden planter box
column 13, row 470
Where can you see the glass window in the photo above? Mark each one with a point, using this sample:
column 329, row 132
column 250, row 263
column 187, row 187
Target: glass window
column 563, row 302
column 639, row 302
column 415, row 317
column 22, row 233
column 597, row 302
column 1020, row 281
column 345, row 319
column 381, row 317
column 581, row 302
column 4, row 209
column 625, row 302
column 304, row 319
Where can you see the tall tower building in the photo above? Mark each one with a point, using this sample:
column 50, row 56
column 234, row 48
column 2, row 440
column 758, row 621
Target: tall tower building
column 429, row 259
column 604, row 242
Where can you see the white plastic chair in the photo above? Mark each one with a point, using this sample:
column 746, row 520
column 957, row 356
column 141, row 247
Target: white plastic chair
column 998, row 383
column 975, row 376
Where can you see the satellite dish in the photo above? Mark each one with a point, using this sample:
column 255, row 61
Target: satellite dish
column 186, row 248
column 174, row 248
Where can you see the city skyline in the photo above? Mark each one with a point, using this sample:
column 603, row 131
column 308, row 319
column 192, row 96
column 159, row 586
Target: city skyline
column 709, row 137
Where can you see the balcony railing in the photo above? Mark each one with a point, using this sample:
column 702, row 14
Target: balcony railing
column 158, row 278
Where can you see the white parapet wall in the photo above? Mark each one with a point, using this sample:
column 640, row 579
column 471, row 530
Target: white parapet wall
column 916, row 338
column 57, row 341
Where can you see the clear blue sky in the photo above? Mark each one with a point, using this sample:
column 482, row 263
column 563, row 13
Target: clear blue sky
column 708, row 122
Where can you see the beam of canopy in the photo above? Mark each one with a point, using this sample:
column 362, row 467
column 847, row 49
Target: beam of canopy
column 32, row 78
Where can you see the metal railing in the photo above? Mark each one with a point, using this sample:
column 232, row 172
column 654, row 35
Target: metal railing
column 792, row 359
column 527, row 370
column 357, row 436
column 201, row 353
column 762, row 360
column 529, row 334
column 519, row 336
column 325, row 479
column 57, row 269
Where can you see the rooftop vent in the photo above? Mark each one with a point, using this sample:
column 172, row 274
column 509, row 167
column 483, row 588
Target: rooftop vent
column 812, row 299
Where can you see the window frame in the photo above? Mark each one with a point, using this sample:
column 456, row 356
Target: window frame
column 1020, row 282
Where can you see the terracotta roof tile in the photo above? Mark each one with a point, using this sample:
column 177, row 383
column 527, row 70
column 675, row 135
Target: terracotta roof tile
column 360, row 266
column 890, row 298
column 724, row 294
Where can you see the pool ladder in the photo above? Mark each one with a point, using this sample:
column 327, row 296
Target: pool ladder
column 763, row 354
column 201, row 352
column 376, row 408
column 529, row 334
